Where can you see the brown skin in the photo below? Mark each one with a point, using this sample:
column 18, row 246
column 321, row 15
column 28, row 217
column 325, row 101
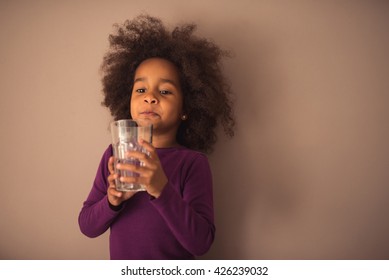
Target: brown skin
column 206, row 92
column 115, row 197
column 157, row 98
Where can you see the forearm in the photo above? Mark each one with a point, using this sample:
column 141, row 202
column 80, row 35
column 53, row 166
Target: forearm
column 95, row 218
column 192, row 226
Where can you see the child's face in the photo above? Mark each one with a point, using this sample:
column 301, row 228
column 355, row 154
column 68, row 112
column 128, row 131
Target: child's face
column 157, row 96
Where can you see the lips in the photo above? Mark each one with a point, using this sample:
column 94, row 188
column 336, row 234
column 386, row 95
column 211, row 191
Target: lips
column 149, row 114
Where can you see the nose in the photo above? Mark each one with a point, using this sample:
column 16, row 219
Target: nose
column 150, row 98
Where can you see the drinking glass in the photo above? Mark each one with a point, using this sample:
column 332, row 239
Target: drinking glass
column 125, row 137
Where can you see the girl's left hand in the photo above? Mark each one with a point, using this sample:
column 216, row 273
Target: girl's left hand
column 150, row 171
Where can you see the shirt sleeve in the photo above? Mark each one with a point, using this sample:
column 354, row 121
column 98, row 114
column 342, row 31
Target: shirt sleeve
column 96, row 215
column 190, row 215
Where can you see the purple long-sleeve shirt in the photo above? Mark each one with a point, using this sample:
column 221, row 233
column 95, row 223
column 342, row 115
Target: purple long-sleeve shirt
column 179, row 224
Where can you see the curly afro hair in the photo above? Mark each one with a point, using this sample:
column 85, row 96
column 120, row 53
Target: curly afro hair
column 206, row 93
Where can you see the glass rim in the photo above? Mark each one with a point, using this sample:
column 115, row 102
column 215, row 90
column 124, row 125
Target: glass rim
column 136, row 122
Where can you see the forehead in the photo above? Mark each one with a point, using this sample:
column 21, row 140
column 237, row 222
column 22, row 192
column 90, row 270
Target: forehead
column 159, row 67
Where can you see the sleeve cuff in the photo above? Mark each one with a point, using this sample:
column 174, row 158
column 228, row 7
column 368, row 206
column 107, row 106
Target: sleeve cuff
column 113, row 207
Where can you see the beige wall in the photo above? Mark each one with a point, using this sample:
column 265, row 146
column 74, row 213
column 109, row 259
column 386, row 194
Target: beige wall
column 306, row 175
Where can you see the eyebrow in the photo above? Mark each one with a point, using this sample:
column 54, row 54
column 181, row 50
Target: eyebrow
column 143, row 79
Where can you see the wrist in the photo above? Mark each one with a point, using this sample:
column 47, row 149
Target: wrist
column 115, row 207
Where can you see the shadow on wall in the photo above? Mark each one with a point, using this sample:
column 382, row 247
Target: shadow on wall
column 246, row 169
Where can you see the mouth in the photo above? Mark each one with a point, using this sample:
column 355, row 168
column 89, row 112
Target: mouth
column 149, row 114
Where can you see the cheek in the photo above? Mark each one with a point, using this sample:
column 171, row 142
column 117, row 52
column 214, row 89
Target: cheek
column 132, row 106
column 176, row 110
column 181, row 110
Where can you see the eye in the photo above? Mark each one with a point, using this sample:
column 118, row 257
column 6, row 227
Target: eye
column 165, row 92
column 140, row 90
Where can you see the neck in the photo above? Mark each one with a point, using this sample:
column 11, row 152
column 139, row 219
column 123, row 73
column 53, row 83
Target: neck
column 161, row 141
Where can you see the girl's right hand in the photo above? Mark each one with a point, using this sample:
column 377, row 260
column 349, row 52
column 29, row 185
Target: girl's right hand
column 115, row 197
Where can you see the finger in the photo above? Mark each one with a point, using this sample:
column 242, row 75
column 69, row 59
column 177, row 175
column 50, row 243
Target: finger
column 137, row 155
column 142, row 169
column 134, row 180
column 110, row 165
column 111, row 178
column 143, row 161
column 150, row 148
column 112, row 191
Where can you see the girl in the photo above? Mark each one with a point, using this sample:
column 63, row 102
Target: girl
column 175, row 81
